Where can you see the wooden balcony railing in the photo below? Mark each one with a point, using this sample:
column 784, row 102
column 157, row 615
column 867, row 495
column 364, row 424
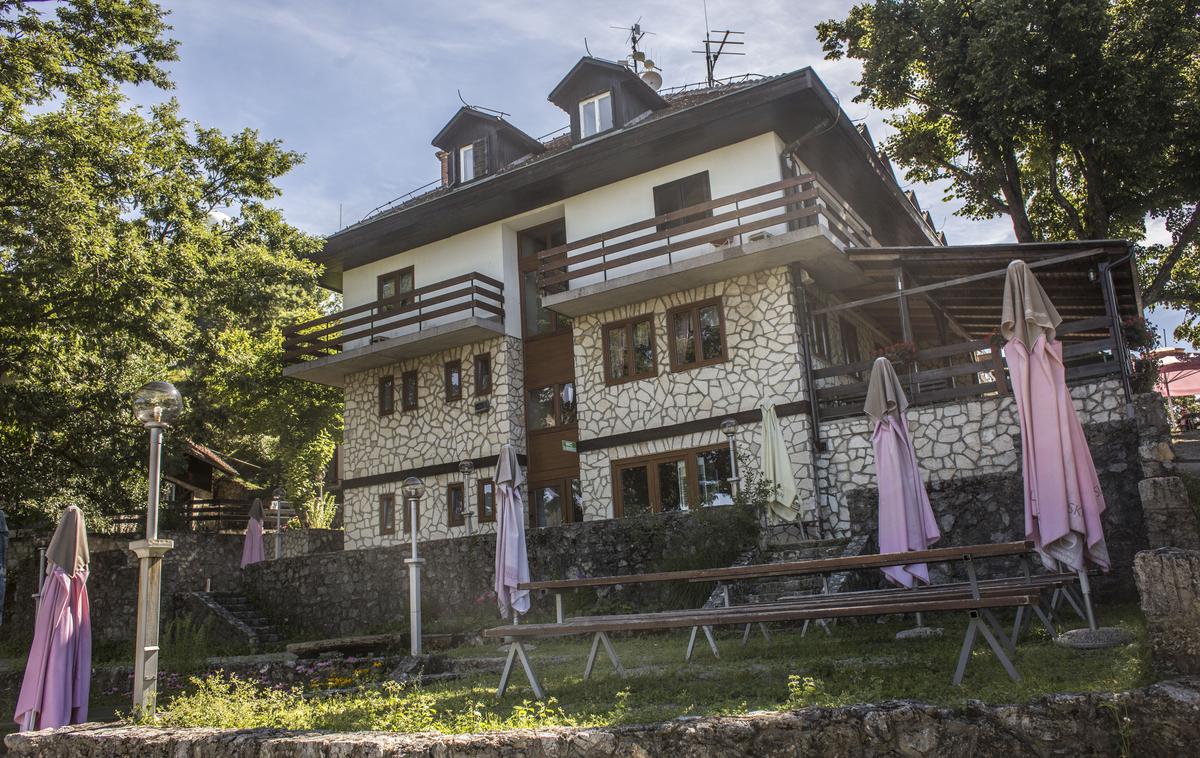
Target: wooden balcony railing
column 471, row 294
column 796, row 202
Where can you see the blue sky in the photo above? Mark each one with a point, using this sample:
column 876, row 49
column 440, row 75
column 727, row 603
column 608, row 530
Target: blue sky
column 361, row 87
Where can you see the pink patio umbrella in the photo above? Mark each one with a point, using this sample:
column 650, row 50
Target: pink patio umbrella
column 1063, row 501
column 512, row 561
column 58, row 673
column 252, row 550
column 1179, row 378
column 905, row 517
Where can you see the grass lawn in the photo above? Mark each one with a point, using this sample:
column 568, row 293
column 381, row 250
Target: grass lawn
column 860, row 663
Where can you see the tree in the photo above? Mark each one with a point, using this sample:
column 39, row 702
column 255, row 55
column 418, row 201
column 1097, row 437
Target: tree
column 113, row 271
column 1078, row 119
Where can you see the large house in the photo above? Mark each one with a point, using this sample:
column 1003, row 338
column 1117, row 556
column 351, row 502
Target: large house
column 606, row 298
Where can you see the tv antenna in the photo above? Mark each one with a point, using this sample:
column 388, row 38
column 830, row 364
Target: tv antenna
column 714, row 48
column 501, row 114
column 636, row 57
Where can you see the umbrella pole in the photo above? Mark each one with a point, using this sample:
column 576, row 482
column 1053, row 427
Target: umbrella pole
column 1086, row 588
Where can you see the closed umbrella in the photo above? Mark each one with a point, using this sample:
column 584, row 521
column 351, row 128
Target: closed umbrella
column 906, row 520
column 776, row 467
column 512, row 561
column 1063, row 501
column 3, row 562
column 58, row 673
column 252, row 550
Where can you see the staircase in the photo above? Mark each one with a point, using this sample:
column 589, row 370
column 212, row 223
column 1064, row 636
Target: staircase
column 236, row 609
column 1187, row 453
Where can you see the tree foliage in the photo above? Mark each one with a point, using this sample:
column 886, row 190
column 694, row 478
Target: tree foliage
column 116, row 267
column 1078, row 119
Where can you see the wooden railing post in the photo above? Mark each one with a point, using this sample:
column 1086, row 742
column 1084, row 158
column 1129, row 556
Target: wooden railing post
column 998, row 371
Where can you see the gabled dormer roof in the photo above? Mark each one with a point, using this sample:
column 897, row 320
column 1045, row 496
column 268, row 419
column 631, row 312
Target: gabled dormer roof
column 466, row 125
column 591, row 75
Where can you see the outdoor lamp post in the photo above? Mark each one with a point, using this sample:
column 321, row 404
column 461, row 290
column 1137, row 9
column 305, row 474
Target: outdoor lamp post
column 729, row 429
column 466, row 468
column 277, row 505
column 157, row 405
column 413, row 489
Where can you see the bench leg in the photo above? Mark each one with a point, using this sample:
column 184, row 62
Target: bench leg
column 1069, row 594
column 746, row 634
column 762, row 628
column 712, row 641
column 990, row 618
column 976, row 626
column 691, row 646
column 602, row 638
column 1018, row 624
column 1046, row 621
column 766, row 635
column 517, row 651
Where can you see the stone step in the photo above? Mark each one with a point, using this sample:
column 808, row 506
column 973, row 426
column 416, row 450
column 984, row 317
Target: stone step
column 1186, row 449
column 1192, row 468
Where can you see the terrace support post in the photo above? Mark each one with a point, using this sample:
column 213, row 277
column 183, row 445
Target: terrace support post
column 810, row 387
column 906, row 330
column 1109, row 290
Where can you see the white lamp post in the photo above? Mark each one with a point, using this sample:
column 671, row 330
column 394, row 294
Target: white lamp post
column 466, row 468
column 413, row 489
column 729, row 429
column 157, row 405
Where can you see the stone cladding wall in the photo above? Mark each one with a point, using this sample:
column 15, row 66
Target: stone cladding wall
column 1168, row 580
column 1159, row 721
column 436, row 432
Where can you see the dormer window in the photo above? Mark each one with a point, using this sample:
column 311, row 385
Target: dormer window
column 466, row 163
column 595, row 114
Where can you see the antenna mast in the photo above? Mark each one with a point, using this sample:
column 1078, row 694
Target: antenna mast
column 711, row 56
column 636, row 56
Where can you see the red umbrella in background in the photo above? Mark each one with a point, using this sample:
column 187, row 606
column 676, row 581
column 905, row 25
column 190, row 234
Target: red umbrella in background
column 1178, row 376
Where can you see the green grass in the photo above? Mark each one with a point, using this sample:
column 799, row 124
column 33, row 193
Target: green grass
column 859, row 663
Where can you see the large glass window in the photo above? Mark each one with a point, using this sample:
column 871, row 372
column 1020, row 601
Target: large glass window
column 673, row 481
column 394, row 283
column 537, row 319
column 629, row 350
column 697, row 335
column 547, row 505
column 551, row 406
column 680, row 194
column 595, row 114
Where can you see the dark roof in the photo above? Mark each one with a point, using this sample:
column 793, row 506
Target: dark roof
column 616, row 69
column 442, row 139
column 208, row 455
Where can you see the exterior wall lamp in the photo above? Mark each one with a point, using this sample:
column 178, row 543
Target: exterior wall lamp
column 156, row 405
column 414, row 489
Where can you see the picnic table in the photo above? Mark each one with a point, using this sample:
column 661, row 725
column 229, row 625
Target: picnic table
column 978, row 599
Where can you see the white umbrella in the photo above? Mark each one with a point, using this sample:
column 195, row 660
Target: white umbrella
column 776, row 467
column 512, row 561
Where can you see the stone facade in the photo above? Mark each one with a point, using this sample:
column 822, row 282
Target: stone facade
column 437, row 432
column 337, row 594
column 763, row 363
column 1169, row 582
column 1159, row 721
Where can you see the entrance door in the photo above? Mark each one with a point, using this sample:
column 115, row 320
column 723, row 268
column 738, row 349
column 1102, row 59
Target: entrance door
column 550, row 417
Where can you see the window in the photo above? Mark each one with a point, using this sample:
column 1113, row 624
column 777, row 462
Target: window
column 466, row 163
column 680, row 194
column 453, row 381
column 555, row 503
column 456, row 504
column 675, row 481
column 387, row 395
column 551, row 406
column 483, row 374
column 408, row 391
column 850, row 346
column 392, row 284
column 629, row 350
column 595, row 114
column 819, row 335
column 697, row 335
column 387, row 515
column 407, row 519
column 487, row 501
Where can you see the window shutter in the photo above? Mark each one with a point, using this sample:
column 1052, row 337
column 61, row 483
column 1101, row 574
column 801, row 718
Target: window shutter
column 480, row 154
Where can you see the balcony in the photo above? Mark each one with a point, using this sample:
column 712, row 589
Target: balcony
column 448, row 314
column 796, row 220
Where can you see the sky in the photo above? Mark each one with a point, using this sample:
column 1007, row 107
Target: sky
column 360, row 87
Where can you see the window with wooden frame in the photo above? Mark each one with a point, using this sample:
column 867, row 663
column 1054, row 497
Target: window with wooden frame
column 409, row 391
column 696, row 335
column 595, row 114
column 453, row 377
column 483, row 374
column 466, row 163
column 819, row 335
column 551, row 406
column 406, row 521
column 395, row 283
column 556, row 502
column 387, row 395
column 456, row 504
column 851, row 350
column 486, row 501
column 680, row 194
column 387, row 515
column 674, row 481
column 629, row 351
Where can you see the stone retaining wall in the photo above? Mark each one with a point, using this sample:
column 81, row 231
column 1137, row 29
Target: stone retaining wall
column 1168, row 580
column 1162, row 720
column 359, row 591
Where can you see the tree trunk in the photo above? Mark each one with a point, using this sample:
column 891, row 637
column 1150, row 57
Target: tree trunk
column 1010, row 185
column 1183, row 240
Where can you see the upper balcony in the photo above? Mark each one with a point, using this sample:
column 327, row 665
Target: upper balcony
column 447, row 314
column 796, row 220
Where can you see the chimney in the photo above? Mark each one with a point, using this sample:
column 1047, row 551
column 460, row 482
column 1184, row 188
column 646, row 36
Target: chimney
column 444, row 158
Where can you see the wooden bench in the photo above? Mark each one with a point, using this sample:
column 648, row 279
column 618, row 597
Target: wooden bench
column 975, row 597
